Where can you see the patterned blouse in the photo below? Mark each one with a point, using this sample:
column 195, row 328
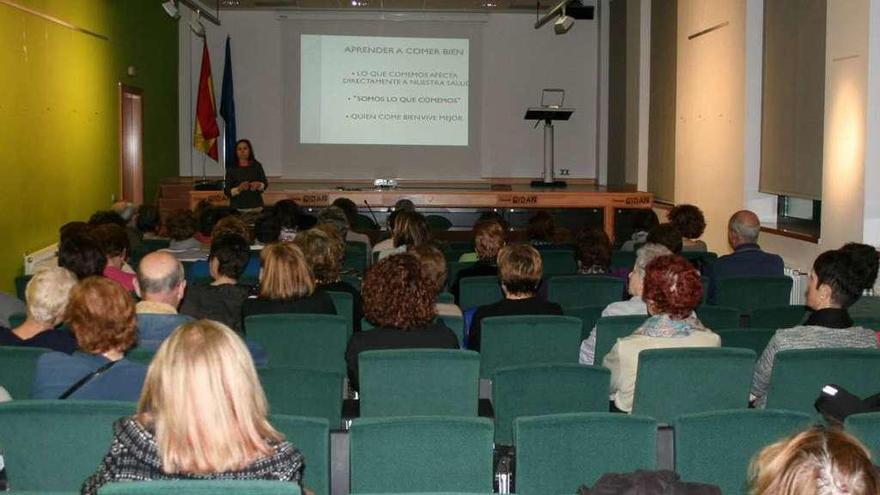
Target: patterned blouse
column 134, row 456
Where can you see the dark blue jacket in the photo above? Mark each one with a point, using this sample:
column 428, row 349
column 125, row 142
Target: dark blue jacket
column 56, row 372
column 747, row 260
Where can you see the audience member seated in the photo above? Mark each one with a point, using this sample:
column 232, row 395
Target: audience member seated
column 105, row 217
column 101, row 314
column 399, row 301
column 834, row 286
column 672, row 291
column 645, row 222
column 222, row 299
column 434, row 269
column 47, row 294
column 235, row 225
column 410, row 231
column 635, row 305
column 520, row 270
column 207, row 218
column 114, row 244
column 202, row 414
column 290, row 217
column 267, row 230
column 689, row 220
column 747, row 259
column 160, row 284
column 666, row 235
column 81, row 254
column 351, row 211
column 149, row 222
column 181, row 226
column 400, row 206
column 287, row 285
column 593, row 252
column 335, row 216
column 541, row 230
column 820, row 461
column 324, row 252
column 126, row 210
column 489, row 238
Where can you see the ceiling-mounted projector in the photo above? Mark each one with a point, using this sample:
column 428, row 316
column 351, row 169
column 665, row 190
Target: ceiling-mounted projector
column 563, row 24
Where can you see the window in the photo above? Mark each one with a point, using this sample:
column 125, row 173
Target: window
column 801, row 216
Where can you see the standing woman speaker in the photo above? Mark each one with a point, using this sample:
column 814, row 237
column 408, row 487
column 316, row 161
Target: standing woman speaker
column 246, row 181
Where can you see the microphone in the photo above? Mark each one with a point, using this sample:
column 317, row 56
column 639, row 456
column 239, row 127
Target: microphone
column 372, row 215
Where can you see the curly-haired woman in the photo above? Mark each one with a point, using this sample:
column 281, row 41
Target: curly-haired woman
column 689, row 220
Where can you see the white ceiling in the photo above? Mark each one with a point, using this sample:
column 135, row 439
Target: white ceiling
column 405, row 5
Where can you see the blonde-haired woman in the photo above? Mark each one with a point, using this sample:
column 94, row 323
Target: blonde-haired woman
column 819, row 461
column 287, row 285
column 201, row 415
column 47, row 294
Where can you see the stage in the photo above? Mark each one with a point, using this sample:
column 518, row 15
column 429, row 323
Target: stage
column 510, row 195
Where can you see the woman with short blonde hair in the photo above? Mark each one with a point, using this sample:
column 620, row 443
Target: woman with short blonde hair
column 202, row 414
column 47, row 294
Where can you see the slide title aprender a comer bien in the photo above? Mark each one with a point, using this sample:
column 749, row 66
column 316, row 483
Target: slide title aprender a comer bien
column 386, row 50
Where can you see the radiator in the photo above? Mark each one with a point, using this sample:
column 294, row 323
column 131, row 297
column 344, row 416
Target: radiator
column 798, row 287
column 39, row 257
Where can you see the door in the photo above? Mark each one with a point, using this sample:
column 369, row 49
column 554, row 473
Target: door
column 131, row 144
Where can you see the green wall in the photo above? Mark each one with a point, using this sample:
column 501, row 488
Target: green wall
column 59, row 113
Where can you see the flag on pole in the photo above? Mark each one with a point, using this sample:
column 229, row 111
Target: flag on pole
column 206, row 130
column 227, row 109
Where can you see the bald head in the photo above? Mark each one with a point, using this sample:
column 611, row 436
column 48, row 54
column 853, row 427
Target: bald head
column 160, row 278
column 743, row 228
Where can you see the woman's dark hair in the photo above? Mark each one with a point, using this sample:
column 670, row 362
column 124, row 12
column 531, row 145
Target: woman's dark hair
column 82, row 255
column 541, row 227
column 410, row 229
column 689, row 220
column 838, row 270
column 397, row 293
column 251, row 155
column 209, row 218
column 148, row 219
column 71, row 229
column 593, row 249
column 493, row 216
column 667, row 235
column 348, row 207
column 181, row 225
column 232, row 253
column 673, row 286
column 267, row 228
column 112, row 239
column 645, row 221
column 288, row 213
column 866, row 261
column 106, row 216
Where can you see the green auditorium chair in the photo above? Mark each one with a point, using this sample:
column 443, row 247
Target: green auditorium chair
column 866, row 427
column 201, row 487
column 537, row 390
column 623, row 259
column 717, row 447
column 751, row 293
column 588, row 315
column 799, row 375
column 438, row 222
column 21, row 282
column 420, row 454
column 714, row 317
column 418, row 382
column 151, row 245
column 571, row 291
column 516, row 340
column 352, row 280
column 312, row 437
column 445, row 298
column 672, row 382
column 55, row 445
column 304, row 392
column 704, row 282
column 755, row 339
column 16, row 319
column 611, row 328
column 558, row 262
column 778, row 317
column 141, row 355
column 17, row 367
column 355, row 257
column 872, row 322
column 301, row 340
column 454, row 323
column 344, row 304
column 479, row 291
column 557, row 453
column 452, row 269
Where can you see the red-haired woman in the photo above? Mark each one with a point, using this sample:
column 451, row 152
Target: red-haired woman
column 672, row 291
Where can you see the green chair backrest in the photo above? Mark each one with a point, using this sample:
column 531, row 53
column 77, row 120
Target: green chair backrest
column 421, row 454
column 455, row 323
column 611, row 328
column 445, row 298
column 778, row 317
column 672, row 382
column 54, row 445
column 558, row 262
column 704, row 281
column 17, row 367
column 715, row 317
column 755, row 339
column 704, row 257
column 572, row 291
column 301, row 340
column 355, row 257
column 452, row 269
column 537, row 390
column 352, row 280
column 557, row 453
column 201, row 487
column 479, row 291
column 304, row 392
column 866, row 427
column 799, row 375
column 518, row 340
column 21, row 282
column 717, row 447
column 419, row 382
column 312, row 437
column 589, row 315
column 141, row 355
column 623, row 259
column 151, row 245
column 866, row 306
column 751, row 293
column 344, row 303
column 16, row 319
column 871, row 322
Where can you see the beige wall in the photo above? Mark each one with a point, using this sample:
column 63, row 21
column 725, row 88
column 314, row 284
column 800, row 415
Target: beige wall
column 633, row 36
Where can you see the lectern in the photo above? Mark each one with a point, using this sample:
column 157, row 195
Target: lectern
column 548, row 115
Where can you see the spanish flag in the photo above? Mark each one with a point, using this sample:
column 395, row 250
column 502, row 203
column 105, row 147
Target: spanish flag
column 206, row 129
